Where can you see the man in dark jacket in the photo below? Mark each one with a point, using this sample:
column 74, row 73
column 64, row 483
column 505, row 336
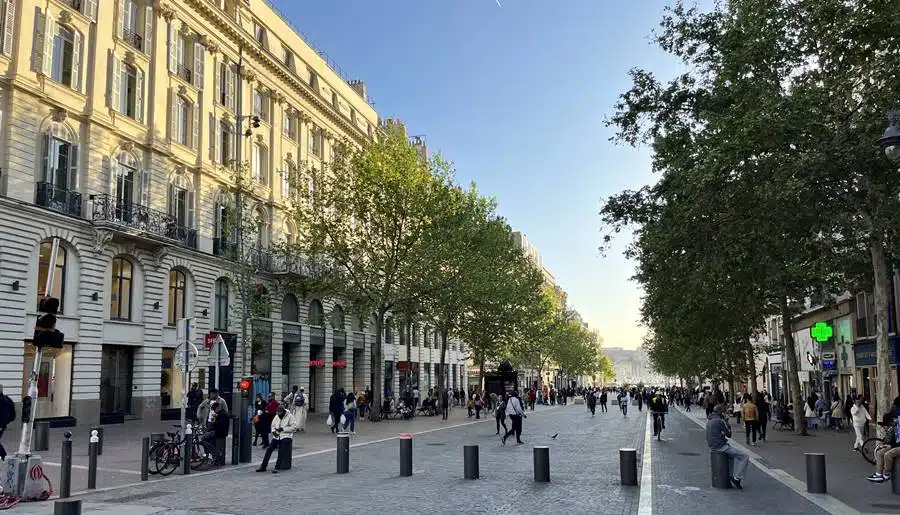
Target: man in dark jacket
column 445, row 404
column 717, row 434
column 7, row 416
column 336, row 407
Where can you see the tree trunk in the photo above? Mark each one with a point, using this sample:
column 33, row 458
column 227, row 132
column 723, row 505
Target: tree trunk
column 442, row 376
column 378, row 368
column 751, row 360
column 790, row 354
column 882, row 342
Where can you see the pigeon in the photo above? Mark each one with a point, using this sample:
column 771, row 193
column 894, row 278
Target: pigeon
column 554, row 436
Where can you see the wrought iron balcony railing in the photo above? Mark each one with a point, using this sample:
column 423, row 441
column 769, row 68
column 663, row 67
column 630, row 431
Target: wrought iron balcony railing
column 185, row 73
column 74, row 4
column 141, row 218
column 260, row 259
column 221, row 247
column 134, row 39
column 58, row 199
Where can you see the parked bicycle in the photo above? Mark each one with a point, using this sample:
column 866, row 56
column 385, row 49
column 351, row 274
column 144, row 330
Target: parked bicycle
column 166, row 454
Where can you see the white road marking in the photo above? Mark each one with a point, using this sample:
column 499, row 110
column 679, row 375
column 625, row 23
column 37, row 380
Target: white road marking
column 645, row 503
column 99, row 469
column 824, row 501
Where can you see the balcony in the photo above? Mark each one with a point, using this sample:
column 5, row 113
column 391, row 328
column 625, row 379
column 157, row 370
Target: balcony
column 284, row 263
column 260, row 259
column 74, row 4
column 134, row 39
column 148, row 223
column 58, row 199
column 185, row 73
column 221, row 247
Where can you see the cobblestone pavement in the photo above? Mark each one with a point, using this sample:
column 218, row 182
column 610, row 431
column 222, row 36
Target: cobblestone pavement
column 681, row 479
column 584, row 476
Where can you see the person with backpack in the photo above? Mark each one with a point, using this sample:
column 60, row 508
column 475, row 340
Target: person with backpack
column 300, row 410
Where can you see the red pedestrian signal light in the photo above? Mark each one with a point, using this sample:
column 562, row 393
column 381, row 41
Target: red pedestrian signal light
column 245, row 385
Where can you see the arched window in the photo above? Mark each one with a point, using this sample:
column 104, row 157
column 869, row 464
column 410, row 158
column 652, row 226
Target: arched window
column 183, row 111
column 127, row 185
column 181, row 201
column 58, row 288
column 290, row 309
column 337, row 317
column 388, row 330
column 177, row 295
column 316, row 313
column 220, row 310
column 120, row 289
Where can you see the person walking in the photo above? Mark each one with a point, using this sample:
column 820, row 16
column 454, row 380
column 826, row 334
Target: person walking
column 592, row 403
column 603, row 401
column 7, row 416
column 336, row 408
column 717, row 434
column 445, row 404
column 750, row 415
column 300, row 409
column 860, row 418
column 283, row 428
column 764, row 413
column 500, row 415
column 261, row 421
column 515, row 409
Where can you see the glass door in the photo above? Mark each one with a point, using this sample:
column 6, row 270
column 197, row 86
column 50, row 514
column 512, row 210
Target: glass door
column 116, row 377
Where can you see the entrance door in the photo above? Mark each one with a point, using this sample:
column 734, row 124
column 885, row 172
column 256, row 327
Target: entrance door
column 116, row 375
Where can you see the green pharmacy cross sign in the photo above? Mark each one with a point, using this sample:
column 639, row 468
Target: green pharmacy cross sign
column 822, row 332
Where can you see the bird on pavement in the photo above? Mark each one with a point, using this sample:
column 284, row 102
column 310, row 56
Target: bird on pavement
column 554, row 436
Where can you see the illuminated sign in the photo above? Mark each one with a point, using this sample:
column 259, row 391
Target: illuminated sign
column 339, row 364
column 822, row 332
column 316, row 363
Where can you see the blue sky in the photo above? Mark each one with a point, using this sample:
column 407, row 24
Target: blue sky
column 516, row 98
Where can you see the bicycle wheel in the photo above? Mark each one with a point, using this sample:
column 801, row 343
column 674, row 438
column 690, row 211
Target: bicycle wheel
column 203, row 455
column 168, row 459
column 154, row 454
column 868, row 449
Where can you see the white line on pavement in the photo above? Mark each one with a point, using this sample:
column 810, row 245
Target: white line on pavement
column 84, row 467
column 825, row 501
column 645, row 502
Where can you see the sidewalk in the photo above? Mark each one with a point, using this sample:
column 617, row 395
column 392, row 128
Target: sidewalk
column 121, row 460
column 846, row 469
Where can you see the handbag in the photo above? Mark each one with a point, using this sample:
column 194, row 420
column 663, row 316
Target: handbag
column 255, row 419
column 330, row 421
column 343, row 420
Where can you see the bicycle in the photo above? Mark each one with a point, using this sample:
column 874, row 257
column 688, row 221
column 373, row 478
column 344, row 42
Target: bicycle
column 657, row 424
column 868, row 448
column 166, row 454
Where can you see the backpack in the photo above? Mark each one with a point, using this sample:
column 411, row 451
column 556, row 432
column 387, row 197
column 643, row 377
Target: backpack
column 300, row 400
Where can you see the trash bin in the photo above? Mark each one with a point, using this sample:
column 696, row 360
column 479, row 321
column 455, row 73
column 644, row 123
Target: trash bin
column 41, row 436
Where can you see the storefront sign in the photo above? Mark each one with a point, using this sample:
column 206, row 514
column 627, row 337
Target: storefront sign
column 316, row 363
column 403, row 366
column 339, row 364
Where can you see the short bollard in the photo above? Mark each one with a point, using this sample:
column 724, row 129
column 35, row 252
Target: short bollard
column 92, row 460
column 41, row 436
column 246, row 456
column 187, row 450
column 542, row 464
column 628, row 467
column 343, row 453
column 285, row 453
column 99, row 430
column 65, row 472
column 67, row 507
column 815, row 473
column 470, row 462
column 145, row 458
column 720, row 468
column 235, row 440
column 406, row 455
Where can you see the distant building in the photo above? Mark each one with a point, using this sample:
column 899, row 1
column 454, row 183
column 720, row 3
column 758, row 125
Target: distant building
column 632, row 366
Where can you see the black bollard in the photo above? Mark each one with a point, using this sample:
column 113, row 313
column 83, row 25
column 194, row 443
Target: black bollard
column 93, row 448
column 41, row 436
column 406, row 455
column 542, row 464
column 720, row 469
column 815, row 473
column 99, row 430
column 187, row 450
column 67, row 507
column 235, row 440
column 343, row 453
column 246, row 448
column 65, row 472
column 628, row 467
column 895, row 481
column 145, row 458
column 470, row 462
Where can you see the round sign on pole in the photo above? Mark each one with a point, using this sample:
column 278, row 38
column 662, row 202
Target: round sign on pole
column 192, row 353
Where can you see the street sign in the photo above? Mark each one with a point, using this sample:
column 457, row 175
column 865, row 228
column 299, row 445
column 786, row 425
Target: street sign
column 192, row 356
column 218, row 354
column 208, row 340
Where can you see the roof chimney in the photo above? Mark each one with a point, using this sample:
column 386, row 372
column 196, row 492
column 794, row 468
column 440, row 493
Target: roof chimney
column 360, row 88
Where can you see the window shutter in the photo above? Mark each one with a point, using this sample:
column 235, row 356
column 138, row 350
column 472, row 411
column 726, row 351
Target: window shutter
column 232, row 145
column 73, row 167
column 173, row 48
column 9, row 26
column 90, row 9
column 45, row 151
column 229, row 92
column 199, row 62
column 112, row 166
column 213, row 138
column 120, row 18
column 115, row 81
column 217, row 79
column 49, row 33
column 145, row 187
column 37, row 49
column 148, row 30
column 173, row 109
column 189, row 199
column 171, row 200
column 195, row 126
column 139, row 95
column 76, row 60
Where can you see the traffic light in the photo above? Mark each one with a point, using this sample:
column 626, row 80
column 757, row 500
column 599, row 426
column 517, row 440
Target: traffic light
column 245, row 385
column 45, row 332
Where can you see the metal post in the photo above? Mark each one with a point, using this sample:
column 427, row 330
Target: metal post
column 145, row 458
column 470, row 462
column 406, row 455
column 542, row 464
column 720, row 469
column 235, row 440
column 895, row 480
column 245, row 438
column 93, row 448
column 343, row 453
column 41, row 436
column 188, row 447
column 67, row 507
column 815, row 473
column 65, row 473
column 628, row 467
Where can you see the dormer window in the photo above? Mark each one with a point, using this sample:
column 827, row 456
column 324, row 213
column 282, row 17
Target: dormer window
column 288, row 58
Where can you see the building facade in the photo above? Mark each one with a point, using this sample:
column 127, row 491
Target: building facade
column 117, row 127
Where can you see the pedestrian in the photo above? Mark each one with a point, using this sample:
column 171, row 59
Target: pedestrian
column 445, row 404
column 592, row 403
column 195, row 398
column 887, row 451
column 860, row 418
column 260, row 421
column 350, row 414
column 219, row 432
column 7, row 416
column 336, row 408
column 764, row 413
column 283, row 428
column 750, row 415
column 717, row 434
column 736, row 411
column 479, row 405
column 300, row 409
column 515, row 409
column 603, row 401
column 623, row 402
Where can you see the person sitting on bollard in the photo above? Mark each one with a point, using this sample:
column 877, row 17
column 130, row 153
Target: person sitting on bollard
column 283, row 428
column 717, row 434
column 889, row 450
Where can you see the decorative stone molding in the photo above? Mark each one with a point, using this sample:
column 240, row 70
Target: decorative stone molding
column 65, row 17
column 165, row 10
column 279, row 97
column 225, row 117
column 182, row 90
column 59, row 115
column 159, row 255
column 127, row 146
column 249, row 75
column 289, row 158
column 305, row 118
column 211, row 46
column 260, row 138
column 101, row 238
column 129, row 57
column 330, row 136
column 185, row 29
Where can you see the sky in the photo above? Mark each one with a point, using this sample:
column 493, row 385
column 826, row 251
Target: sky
column 516, row 97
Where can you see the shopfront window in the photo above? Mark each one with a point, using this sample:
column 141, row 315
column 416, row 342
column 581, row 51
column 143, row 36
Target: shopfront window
column 54, row 380
column 57, row 290
column 170, row 388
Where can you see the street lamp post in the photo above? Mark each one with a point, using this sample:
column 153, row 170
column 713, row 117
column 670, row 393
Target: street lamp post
column 890, row 140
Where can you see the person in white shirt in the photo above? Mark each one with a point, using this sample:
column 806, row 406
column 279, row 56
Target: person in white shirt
column 860, row 417
column 283, row 428
column 515, row 410
column 301, row 408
